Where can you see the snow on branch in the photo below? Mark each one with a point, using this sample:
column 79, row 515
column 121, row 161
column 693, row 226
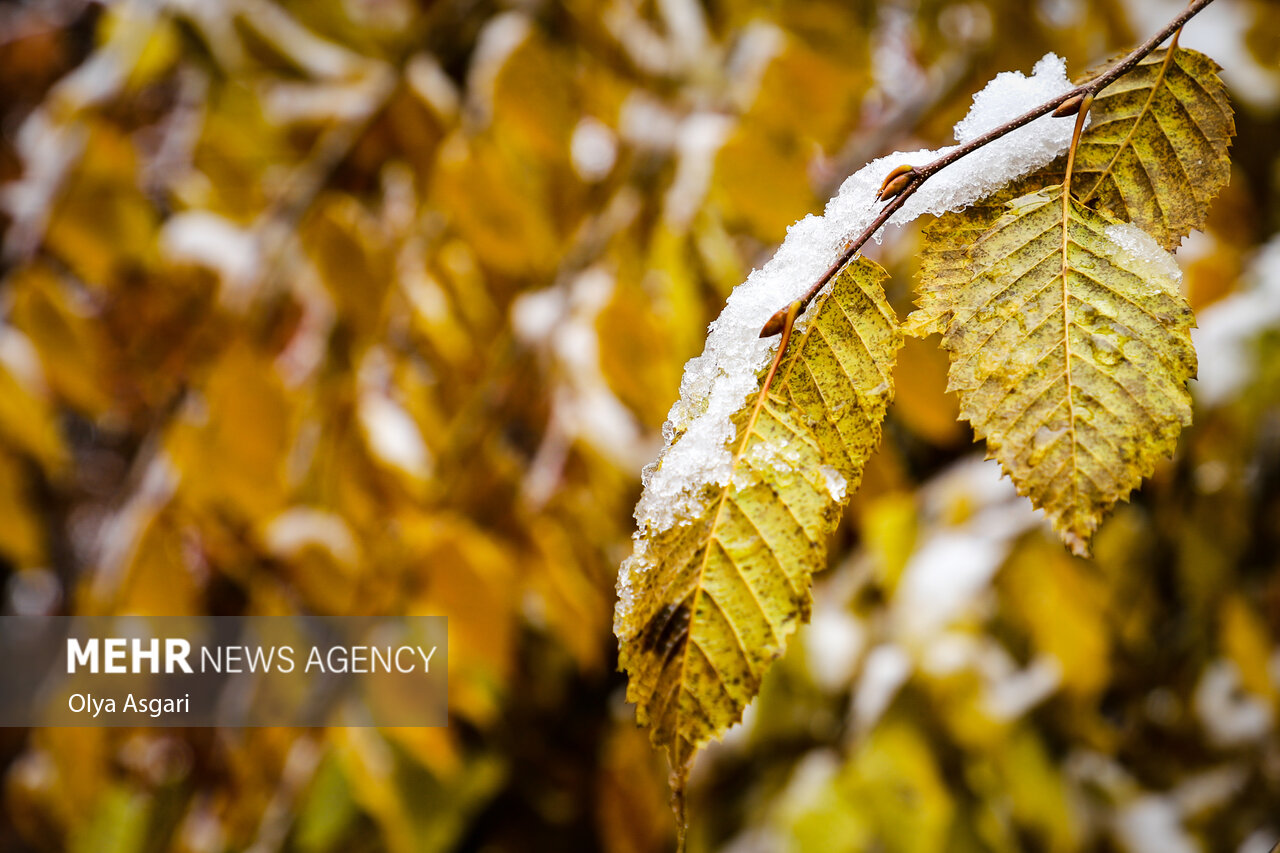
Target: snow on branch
column 716, row 383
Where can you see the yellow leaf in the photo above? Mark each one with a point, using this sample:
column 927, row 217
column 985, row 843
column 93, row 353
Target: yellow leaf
column 534, row 100
column 631, row 807
column 889, row 529
column 22, row 535
column 810, row 94
column 1062, row 605
column 574, row 608
column 895, row 778
column 761, row 181
column 1024, row 790
column 28, row 421
column 231, row 449
column 1155, row 152
column 709, row 603
column 839, row 370
column 467, row 575
column 945, row 267
column 103, row 225
column 433, row 747
column 1246, row 640
column 159, row 580
column 67, row 336
column 353, row 259
column 499, row 205
column 414, row 811
column 641, row 350
column 921, row 400
column 1071, row 354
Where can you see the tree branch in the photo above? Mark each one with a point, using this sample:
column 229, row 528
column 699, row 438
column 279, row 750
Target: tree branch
column 920, row 174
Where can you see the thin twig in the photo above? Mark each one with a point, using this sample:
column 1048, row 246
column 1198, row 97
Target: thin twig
column 920, row 174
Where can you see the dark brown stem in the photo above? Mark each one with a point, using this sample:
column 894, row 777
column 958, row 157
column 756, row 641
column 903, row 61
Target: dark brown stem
column 923, row 173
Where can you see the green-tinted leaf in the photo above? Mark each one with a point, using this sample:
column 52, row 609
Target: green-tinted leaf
column 1071, row 357
column 945, row 265
column 1155, row 152
column 717, row 597
column 839, row 371
column 890, row 795
column 721, row 594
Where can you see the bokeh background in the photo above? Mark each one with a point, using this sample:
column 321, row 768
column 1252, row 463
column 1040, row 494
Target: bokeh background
column 377, row 306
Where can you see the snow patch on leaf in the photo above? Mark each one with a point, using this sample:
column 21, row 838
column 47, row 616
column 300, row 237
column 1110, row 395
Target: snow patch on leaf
column 1144, row 254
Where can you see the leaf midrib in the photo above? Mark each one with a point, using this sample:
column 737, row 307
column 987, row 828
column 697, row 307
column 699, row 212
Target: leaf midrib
column 749, row 428
column 1128, row 139
column 1066, row 336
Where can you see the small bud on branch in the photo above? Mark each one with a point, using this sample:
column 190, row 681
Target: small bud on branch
column 1069, row 107
column 776, row 323
column 919, row 174
column 895, row 182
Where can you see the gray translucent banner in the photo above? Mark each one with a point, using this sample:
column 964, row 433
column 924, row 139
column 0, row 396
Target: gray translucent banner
column 223, row 671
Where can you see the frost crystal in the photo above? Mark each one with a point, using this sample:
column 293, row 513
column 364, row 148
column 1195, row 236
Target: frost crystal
column 717, row 383
column 1147, row 257
column 837, row 485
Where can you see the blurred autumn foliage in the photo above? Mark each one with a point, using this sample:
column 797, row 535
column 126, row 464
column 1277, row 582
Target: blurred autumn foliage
column 377, row 306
